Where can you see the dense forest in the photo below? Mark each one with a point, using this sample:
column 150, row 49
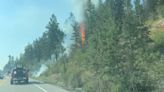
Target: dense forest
column 118, row 47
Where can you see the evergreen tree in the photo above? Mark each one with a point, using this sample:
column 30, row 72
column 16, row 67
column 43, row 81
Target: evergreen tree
column 55, row 37
column 76, row 32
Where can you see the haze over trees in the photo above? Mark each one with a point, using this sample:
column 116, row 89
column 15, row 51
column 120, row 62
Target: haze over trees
column 47, row 47
column 120, row 54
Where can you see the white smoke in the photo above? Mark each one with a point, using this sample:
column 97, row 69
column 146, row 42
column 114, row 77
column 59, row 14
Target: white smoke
column 42, row 69
column 78, row 8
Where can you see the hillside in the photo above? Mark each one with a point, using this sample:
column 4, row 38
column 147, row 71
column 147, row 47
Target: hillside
column 116, row 48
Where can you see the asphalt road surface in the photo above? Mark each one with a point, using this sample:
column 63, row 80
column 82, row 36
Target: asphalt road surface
column 33, row 86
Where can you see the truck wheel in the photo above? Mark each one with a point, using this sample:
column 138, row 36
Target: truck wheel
column 18, row 82
column 26, row 81
column 11, row 82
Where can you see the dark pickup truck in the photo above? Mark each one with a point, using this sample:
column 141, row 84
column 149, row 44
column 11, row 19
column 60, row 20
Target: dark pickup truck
column 19, row 75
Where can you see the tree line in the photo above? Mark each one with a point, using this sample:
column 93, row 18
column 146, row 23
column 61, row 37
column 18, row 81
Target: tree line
column 119, row 55
column 47, row 47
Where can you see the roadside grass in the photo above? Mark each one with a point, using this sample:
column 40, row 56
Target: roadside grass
column 54, row 80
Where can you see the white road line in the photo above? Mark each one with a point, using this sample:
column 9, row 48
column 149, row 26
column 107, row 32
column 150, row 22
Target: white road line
column 40, row 88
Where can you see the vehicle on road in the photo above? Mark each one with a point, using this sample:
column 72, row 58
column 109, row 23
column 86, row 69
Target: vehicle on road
column 19, row 75
column 1, row 76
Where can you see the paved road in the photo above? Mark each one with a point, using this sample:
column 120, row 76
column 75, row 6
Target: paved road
column 33, row 86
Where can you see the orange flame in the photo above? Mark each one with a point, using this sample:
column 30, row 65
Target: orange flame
column 82, row 31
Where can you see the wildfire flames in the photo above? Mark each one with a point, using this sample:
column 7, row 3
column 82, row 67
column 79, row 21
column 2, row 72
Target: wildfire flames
column 82, row 31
